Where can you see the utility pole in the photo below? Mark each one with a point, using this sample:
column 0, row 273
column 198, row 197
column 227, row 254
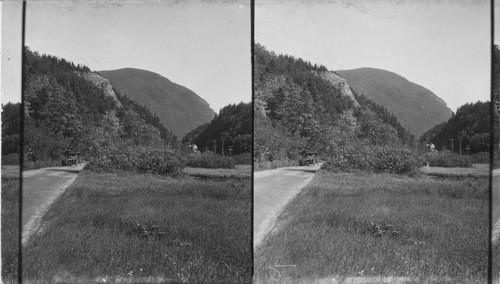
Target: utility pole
column 215, row 149
column 222, row 140
column 230, row 148
column 460, row 144
column 452, row 145
column 467, row 148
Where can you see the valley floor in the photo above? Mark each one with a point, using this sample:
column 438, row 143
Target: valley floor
column 368, row 225
column 131, row 227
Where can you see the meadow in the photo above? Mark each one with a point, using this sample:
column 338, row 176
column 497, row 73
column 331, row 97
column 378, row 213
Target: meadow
column 364, row 224
column 10, row 223
column 141, row 227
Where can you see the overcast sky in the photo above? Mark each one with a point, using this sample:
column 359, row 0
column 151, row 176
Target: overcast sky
column 441, row 45
column 11, row 43
column 202, row 45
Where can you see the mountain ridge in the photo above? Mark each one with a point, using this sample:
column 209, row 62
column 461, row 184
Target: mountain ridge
column 416, row 107
column 179, row 108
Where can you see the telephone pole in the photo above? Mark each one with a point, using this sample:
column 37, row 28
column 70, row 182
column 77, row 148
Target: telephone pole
column 452, row 145
column 460, row 144
column 467, row 147
column 222, row 140
column 230, row 148
column 215, row 149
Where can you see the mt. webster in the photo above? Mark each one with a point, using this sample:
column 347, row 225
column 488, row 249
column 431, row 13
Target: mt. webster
column 179, row 109
column 417, row 108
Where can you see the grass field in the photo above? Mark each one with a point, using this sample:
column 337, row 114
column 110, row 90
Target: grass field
column 495, row 256
column 10, row 223
column 140, row 228
column 366, row 224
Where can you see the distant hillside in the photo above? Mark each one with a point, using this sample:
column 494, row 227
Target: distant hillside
column 233, row 124
column 179, row 109
column 471, row 125
column 415, row 107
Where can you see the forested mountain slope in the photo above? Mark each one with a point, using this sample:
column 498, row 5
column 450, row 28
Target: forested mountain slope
column 233, row 125
column 299, row 106
column 469, row 126
column 69, row 108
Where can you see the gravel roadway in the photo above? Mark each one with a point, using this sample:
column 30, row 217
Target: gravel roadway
column 40, row 188
column 273, row 189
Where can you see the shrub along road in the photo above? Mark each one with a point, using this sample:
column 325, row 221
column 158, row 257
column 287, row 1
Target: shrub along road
column 272, row 191
column 40, row 188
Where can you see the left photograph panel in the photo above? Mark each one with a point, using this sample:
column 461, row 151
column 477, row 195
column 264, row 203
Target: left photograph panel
column 10, row 88
column 137, row 141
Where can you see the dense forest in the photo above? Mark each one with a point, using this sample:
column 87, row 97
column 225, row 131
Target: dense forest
column 65, row 111
column 11, row 130
column 470, row 126
column 297, row 110
column 232, row 126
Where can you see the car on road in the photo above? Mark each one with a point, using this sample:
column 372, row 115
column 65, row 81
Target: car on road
column 309, row 158
column 72, row 158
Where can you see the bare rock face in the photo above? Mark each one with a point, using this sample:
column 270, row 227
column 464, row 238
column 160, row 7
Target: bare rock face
column 102, row 83
column 339, row 83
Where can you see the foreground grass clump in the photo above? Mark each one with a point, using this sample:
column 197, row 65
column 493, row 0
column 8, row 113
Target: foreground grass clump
column 10, row 227
column 130, row 226
column 495, row 256
column 368, row 224
column 209, row 160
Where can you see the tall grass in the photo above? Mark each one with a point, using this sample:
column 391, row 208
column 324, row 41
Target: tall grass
column 367, row 224
column 10, row 228
column 134, row 226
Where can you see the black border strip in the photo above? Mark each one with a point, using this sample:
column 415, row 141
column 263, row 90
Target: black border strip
column 21, row 148
column 492, row 139
column 252, row 45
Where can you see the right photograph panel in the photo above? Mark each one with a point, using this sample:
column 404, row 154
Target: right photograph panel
column 372, row 141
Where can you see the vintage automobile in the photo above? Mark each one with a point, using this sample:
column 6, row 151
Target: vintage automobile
column 72, row 158
column 309, row 158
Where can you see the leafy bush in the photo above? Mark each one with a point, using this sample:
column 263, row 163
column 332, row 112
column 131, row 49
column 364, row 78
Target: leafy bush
column 209, row 160
column 243, row 159
column 447, row 160
column 373, row 158
column 140, row 160
column 396, row 160
column 10, row 159
column 480, row 158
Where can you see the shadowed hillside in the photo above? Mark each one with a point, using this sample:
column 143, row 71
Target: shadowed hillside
column 417, row 108
column 179, row 109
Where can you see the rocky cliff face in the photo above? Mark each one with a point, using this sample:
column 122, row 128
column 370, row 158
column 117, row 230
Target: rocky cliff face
column 339, row 83
column 101, row 83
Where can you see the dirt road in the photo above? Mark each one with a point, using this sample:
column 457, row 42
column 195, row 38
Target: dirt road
column 273, row 189
column 40, row 188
